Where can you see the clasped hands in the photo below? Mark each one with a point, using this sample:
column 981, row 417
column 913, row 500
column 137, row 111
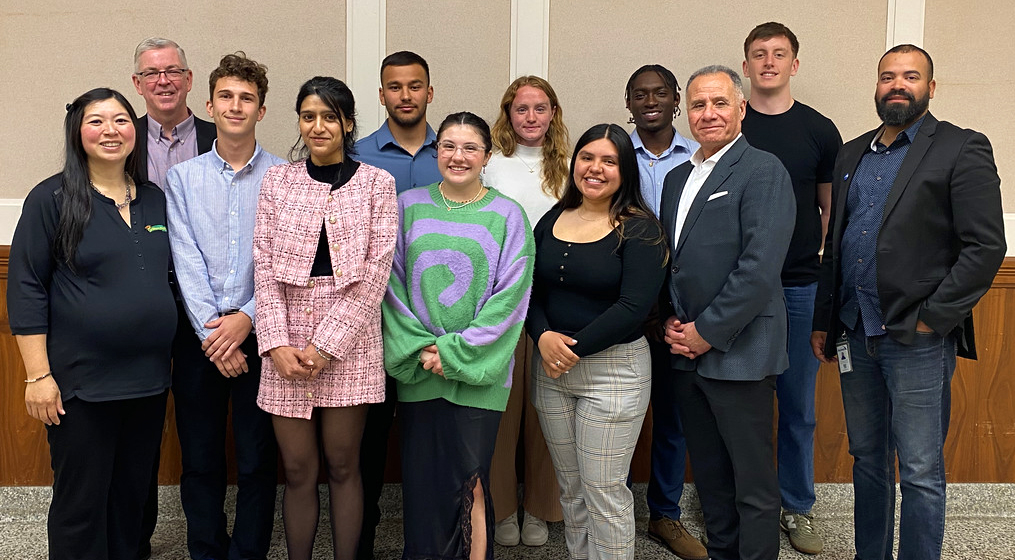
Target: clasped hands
column 684, row 339
column 295, row 364
column 430, row 357
column 222, row 346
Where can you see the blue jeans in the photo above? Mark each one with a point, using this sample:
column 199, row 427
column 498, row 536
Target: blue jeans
column 898, row 400
column 669, row 449
column 795, row 392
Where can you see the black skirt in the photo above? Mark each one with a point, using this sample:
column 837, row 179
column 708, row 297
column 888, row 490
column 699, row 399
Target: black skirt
column 446, row 451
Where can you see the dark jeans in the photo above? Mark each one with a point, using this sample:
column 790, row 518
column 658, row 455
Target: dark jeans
column 728, row 426
column 669, row 449
column 202, row 396
column 102, row 453
column 898, row 400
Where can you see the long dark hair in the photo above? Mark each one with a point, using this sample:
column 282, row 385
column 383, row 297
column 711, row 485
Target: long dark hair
column 627, row 201
column 338, row 97
column 75, row 194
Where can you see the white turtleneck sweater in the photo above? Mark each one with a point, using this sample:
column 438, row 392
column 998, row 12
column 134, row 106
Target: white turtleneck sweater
column 520, row 177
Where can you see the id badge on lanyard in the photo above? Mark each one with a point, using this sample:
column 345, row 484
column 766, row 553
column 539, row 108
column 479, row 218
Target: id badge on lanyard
column 842, row 353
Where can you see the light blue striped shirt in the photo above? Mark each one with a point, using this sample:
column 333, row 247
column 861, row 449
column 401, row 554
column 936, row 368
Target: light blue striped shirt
column 211, row 209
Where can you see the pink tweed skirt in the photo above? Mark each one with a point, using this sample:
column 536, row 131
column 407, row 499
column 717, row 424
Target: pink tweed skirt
column 357, row 378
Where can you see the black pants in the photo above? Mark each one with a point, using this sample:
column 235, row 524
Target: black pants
column 373, row 456
column 102, row 453
column 202, row 396
column 728, row 428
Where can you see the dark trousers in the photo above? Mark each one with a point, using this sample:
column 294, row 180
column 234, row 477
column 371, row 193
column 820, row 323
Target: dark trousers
column 669, row 449
column 202, row 396
column 373, row 456
column 728, row 427
column 102, row 454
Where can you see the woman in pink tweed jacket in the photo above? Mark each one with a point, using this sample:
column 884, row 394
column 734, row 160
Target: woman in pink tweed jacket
column 323, row 243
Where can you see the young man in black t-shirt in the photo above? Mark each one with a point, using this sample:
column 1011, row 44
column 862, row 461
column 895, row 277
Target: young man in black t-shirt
column 806, row 142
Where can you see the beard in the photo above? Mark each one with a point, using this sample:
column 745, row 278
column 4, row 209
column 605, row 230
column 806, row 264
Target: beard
column 407, row 121
column 898, row 114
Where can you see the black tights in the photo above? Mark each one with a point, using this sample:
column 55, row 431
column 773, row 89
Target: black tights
column 337, row 432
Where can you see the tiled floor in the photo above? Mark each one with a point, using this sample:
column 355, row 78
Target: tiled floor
column 980, row 524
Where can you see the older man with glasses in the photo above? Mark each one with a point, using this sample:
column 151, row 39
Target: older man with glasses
column 171, row 134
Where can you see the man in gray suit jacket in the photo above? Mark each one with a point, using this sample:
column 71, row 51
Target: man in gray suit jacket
column 730, row 211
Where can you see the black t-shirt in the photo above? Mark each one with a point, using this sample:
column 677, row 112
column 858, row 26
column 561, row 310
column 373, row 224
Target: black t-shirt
column 806, row 142
column 110, row 322
column 600, row 292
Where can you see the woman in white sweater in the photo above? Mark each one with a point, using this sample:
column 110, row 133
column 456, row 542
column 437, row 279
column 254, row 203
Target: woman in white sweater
column 530, row 165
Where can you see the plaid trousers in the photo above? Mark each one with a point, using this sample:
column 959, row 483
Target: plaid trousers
column 591, row 417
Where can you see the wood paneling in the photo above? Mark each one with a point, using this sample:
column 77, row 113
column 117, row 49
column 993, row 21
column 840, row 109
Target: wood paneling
column 980, row 446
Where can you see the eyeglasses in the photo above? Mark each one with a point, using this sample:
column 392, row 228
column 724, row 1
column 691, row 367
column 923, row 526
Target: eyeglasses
column 152, row 76
column 468, row 150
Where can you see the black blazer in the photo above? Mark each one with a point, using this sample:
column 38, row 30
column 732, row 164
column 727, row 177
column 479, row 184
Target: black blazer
column 941, row 240
column 725, row 268
column 205, row 130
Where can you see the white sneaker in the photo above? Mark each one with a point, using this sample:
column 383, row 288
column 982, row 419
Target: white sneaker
column 534, row 532
column 505, row 533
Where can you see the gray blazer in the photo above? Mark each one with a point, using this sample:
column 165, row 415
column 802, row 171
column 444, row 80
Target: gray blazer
column 725, row 270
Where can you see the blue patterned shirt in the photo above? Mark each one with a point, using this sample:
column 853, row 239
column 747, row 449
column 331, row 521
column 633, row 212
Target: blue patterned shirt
column 211, row 209
column 865, row 206
column 652, row 169
column 410, row 171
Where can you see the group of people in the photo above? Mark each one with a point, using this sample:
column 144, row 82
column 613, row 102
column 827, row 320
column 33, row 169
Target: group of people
column 498, row 285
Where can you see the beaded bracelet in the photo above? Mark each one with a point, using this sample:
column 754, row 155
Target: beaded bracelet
column 322, row 354
column 40, row 378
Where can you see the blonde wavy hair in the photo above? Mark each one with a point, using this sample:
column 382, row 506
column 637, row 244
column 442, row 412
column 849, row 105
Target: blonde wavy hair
column 555, row 143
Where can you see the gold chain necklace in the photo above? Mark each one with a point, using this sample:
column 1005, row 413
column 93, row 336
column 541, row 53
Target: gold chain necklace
column 126, row 199
column 578, row 210
column 447, row 202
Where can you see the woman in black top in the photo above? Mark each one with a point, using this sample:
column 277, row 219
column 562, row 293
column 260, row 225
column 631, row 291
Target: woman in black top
column 91, row 309
column 600, row 262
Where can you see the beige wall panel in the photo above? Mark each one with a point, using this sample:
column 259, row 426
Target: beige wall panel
column 52, row 52
column 595, row 45
column 971, row 92
column 467, row 45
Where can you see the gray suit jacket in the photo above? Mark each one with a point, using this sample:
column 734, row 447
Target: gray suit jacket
column 725, row 270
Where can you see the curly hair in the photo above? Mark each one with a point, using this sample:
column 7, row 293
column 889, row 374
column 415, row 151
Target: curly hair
column 238, row 66
column 555, row 144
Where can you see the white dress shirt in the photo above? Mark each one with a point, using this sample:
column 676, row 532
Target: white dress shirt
column 702, row 169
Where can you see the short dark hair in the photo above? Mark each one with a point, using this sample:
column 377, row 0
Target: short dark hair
column 668, row 78
column 466, row 118
column 338, row 97
column 237, row 65
column 907, row 48
column 769, row 30
column 404, row 58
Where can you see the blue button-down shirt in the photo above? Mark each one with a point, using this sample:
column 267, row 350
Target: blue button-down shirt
column 865, row 206
column 652, row 169
column 211, row 209
column 410, row 171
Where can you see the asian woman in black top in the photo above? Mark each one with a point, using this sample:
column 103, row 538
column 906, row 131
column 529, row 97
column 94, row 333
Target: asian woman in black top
column 94, row 318
column 600, row 258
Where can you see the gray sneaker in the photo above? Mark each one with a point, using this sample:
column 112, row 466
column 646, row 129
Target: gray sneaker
column 802, row 534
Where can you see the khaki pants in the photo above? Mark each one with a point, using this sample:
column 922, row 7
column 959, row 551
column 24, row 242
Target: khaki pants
column 541, row 494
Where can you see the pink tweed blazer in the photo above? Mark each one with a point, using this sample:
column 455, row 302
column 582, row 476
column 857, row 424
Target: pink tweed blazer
column 361, row 221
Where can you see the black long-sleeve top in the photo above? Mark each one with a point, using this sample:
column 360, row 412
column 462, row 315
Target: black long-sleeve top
column 599, row 293
column 110, row 322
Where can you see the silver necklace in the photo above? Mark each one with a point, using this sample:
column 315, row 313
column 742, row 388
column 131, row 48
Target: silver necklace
column 126, row 198
column 532, row 168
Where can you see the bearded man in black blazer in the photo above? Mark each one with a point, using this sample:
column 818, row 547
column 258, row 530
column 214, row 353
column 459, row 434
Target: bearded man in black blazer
column 730, row 211
column 916, row 236
column 168, row 134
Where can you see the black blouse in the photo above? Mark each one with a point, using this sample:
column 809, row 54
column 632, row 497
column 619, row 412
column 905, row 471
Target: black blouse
column 109, row 324
column 599, row 293
column 337, row 174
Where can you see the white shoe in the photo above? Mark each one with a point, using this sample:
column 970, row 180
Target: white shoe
column 505, row 533
column 534, row 532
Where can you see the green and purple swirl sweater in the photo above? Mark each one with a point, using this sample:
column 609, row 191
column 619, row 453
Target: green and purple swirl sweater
column 460, row 280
